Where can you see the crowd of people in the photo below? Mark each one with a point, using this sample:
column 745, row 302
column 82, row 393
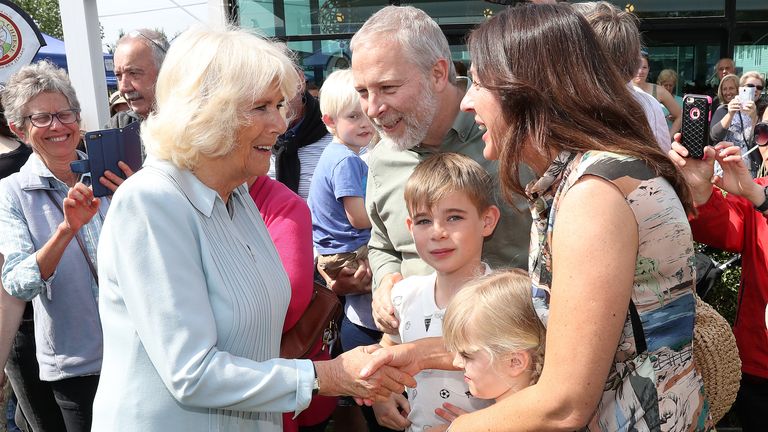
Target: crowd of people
column 513, row 248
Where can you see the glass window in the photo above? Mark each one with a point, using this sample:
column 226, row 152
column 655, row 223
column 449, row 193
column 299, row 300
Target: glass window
column 666, row 8
column 751, row 58
column 258, row 14
column 341, row 16
column 694, row 65
column 456, row 12
column 751, row 10
column 306, row 17
column 319, row 58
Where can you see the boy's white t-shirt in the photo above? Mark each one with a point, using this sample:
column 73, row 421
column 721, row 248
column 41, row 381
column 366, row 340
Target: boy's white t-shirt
column 419, row 316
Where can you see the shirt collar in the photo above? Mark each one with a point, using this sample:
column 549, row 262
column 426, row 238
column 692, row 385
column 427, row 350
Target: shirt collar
column 463, row 129
column 40, row 177
column 199, row 195
column 464, row 126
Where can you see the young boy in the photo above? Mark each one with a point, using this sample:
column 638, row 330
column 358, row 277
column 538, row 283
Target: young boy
column 340, row 225
column 451, row 212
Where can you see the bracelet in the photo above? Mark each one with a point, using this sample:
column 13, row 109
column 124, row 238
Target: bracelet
column 315, row 382
column 762, row 208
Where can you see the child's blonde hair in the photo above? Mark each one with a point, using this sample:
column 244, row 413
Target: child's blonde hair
column 338, row 94
column 495, row 313
column 444, row 173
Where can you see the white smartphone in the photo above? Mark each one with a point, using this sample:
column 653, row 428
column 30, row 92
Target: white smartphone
column 746, row 94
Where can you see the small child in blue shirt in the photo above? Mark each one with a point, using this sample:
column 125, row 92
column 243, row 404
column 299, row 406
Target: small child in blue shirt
column 340, row 225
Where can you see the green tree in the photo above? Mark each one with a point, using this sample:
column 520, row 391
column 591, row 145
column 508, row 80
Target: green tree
column 46, row 15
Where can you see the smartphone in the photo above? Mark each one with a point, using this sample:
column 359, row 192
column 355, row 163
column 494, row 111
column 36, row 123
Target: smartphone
column 105, row 149
column 694, row 133
column 746, row 94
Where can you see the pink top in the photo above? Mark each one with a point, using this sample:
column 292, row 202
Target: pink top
column 289, row 223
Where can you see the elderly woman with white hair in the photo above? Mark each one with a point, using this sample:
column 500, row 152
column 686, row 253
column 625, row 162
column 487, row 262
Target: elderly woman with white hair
column 49, row 230
column 193, row 291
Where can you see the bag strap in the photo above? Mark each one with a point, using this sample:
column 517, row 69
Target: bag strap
column 80, row 242
column 637, row 328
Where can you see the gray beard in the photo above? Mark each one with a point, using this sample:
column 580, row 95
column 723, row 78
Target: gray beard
column 417, row 125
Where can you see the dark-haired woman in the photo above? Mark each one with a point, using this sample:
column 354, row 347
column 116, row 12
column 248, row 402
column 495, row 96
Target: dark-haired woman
column 611, row 262
column 611, row 251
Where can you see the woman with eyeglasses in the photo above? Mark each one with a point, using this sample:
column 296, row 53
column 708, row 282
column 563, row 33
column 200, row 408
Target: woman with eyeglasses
column 49, row 229
column 734, row 119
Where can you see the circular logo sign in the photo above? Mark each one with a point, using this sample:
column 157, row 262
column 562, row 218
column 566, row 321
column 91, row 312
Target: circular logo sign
column 10, row 40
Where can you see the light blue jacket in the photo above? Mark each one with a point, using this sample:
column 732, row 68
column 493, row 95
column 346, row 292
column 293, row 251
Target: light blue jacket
column 192, row 303
column 67, row 328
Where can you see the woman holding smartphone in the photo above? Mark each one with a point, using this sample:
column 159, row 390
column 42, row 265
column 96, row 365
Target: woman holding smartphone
column 734, row 120
column 619, row 333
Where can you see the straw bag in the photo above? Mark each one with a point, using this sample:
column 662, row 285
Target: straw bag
column 318, row 322
column 716, row 358
column 715, row 355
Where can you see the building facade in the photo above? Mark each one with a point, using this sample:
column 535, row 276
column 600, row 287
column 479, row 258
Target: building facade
column 688, row 36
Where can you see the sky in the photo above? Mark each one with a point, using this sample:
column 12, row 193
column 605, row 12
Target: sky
column 172, row 16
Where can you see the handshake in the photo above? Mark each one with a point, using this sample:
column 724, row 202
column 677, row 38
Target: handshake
column 369, row 374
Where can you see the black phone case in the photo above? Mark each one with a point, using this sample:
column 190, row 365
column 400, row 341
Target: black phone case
column 106, row 147
column 694, row 133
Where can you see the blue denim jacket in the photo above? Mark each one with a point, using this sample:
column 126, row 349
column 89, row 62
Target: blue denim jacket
column 67, row 326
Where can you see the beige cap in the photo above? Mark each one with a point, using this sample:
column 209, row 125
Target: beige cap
column 116, row 98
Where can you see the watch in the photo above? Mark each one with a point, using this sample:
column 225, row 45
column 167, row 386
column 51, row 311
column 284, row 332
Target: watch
column 315, row 382
column 762, row 208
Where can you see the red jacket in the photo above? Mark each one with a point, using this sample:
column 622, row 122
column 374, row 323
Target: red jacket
column 731, row 223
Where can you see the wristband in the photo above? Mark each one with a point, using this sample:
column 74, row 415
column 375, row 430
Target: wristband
column 762, row 208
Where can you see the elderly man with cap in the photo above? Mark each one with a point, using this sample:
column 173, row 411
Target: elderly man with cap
column 138, row 57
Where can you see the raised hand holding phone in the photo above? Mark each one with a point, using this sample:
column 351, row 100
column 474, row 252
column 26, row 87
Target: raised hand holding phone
column 695, row 126
column 114, row 151
column 746, row 94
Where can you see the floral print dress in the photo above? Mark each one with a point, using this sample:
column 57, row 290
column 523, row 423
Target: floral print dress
column 652, row 384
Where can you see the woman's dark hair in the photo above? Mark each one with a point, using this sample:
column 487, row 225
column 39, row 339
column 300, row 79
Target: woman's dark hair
column 559, row 91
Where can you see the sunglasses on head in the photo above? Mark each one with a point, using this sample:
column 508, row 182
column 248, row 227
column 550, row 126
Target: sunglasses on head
column 137, row 33
column 758, row 87
column 761, row 134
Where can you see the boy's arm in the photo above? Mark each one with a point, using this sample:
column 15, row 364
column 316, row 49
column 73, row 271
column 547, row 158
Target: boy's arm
column 354, row 207
column 393, row 339
column 387, row 341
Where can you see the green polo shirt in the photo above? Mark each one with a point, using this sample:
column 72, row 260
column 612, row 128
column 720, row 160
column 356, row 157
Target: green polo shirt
column 391, row 248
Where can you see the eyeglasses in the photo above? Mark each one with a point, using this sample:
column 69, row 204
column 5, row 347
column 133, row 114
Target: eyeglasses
column 758, row 87
column 43, row 120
